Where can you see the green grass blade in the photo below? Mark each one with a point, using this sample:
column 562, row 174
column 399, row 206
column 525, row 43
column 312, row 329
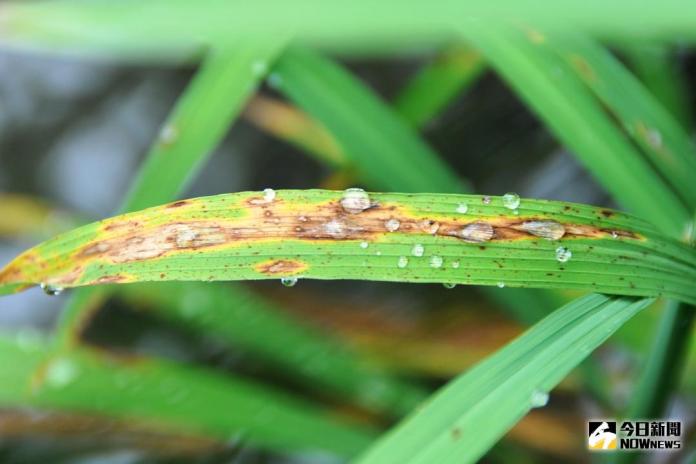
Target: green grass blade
column 168, row 28
column 654, row 65
column 320, row 234
column 174, row 396
column 665, row 144
column 438, row 83
column 551, row 88
column 198, row 122
column 388, row 154
column 464, row 419
column 241, row 318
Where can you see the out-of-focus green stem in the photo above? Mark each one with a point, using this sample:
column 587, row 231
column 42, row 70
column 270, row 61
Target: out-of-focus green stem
column 438, row 83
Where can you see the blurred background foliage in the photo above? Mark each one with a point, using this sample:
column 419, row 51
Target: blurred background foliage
column 73, row 135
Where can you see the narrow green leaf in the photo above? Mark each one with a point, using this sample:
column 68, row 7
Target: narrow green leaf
column 172, row 396
column 438, row 83
column 388, row 154
column 348, row 235
column 198, row 122
column 665, row 144
column 552, row 89
column 239, row 317
column 466, row 417
column 168, row 29
column 656, row 65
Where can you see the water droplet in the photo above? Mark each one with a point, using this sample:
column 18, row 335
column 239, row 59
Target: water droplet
column 259, row 68
column 614, row 234
column 539, row 398
column 449, row 285
column 550, row 230
column 392, row 225
column 455, row 264
column 168, row 134
column 269, row 195
column 417, row 250
column 429, row 227
column 288, row 281
column 501, row 284
column 403, row 262
column 379, row 253
column 364, row 245
column 477, row 232
column 486, row 200
column 462, row 208
column 435, row 261
column 563, row 254
column 511, row 200
column 355, row 200
column 51, row 290
column 61, row 372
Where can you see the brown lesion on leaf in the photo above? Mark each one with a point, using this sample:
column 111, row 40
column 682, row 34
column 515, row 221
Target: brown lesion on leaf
column 281, row 267
column 178, row 204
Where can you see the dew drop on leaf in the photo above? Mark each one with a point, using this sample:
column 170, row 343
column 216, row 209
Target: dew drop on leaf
column 539, row 398
column 269, row 195
column 449, row 285
column 61, row 373
column 392, row 225
column 563, row 254
column 501, row 284
column 511, row 200
column 417, row 250
column 402, row 263
column 462, row 208
column 435, row 261
column 288, row 281
column 51, row 290
column 355, row 200
column 455, row 265
column 364, row 245
column 486, row 200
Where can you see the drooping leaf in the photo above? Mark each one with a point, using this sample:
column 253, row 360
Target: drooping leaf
column 348, row 235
